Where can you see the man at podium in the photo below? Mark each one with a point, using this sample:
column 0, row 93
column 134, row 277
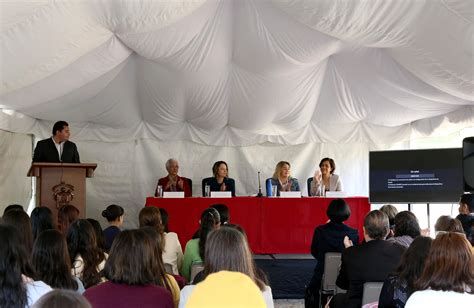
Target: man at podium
column 57, row 149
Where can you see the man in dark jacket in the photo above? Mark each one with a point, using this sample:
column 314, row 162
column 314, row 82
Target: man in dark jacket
column 369, row 262
column 466, row 214
column 57, row 148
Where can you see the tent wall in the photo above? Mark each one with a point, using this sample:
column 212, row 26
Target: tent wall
column 15, row 159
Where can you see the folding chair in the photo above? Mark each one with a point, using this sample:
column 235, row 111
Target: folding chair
column 169, row 268
column 371, row 292
column 196, row 267
column 332, row 262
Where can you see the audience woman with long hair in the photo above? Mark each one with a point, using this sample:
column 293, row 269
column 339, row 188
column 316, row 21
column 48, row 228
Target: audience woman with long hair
column 66, row 216
column 447, row 279
column 99, row 235
column 170, row 246
column 87, row 259
column 165, row 279
column 114, row 215
column 50, row 259
column 400, row 285
column 18, row 287
column 194, row 252
column 21, row 222
column 41, row 219
column 227, row 249
column 131, row 270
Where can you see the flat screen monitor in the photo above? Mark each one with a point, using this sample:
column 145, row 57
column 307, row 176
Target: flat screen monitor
column 416, row 176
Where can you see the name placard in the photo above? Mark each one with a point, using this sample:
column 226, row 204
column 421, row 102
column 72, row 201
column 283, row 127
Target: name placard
column 335, row 194
column 290, row 194
column 173, row 194
column 221, row 194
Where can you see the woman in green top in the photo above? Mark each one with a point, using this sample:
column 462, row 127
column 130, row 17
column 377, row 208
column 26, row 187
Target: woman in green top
column 194, row 251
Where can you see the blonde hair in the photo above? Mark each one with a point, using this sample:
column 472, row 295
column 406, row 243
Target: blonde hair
column 278, row 168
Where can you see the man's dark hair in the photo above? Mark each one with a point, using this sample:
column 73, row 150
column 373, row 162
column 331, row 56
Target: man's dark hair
column 59, row 126
column 469, row 200
column 376, row 225
column 223, row 212
column 338, row 210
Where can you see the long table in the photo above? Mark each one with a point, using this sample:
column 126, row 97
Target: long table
column 273, row 225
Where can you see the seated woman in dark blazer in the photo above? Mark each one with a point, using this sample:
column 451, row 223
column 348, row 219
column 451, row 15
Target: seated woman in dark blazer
column 220, row 181
column 329, row 238
column 282, row 178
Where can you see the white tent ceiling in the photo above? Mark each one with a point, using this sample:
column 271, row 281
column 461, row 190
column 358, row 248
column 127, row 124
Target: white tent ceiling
column 237, row 72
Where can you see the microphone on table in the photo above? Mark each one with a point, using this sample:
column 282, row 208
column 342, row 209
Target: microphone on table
column 259, row 186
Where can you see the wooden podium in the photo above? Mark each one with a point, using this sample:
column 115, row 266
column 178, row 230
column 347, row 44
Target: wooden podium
column 59, row 184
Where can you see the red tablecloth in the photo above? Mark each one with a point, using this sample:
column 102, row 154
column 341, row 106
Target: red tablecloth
column 273, row 225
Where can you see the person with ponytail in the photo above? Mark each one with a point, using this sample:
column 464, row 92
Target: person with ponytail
column 194, row 252
column 114, row 215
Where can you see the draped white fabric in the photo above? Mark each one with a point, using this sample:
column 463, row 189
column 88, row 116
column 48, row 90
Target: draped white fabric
column 239, row 72
column 248, row 81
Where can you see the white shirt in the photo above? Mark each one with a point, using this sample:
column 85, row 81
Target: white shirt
column 59, row 148
column 173, row 254
column 34, row 291
column 431, row 298
column 187, row 290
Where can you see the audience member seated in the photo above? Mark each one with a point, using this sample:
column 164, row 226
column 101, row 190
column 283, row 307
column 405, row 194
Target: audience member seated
column 226, row 289
column 17, row 286
column 466, row 213
column 51, row 262
column 400, row 285
column 223, row 212
column 406, row 229
column 174, row 182
column 227, row 250
column 447, row 279
column 21, row 222
column 391, row 212
column 12, row 207
column 172, row 283
column 41, row 219
column 194, row 251
column 99, row 235
column 87, row 259
column 164, row 219
column 220, row 181
column 62, row 298
column 448, row 224
column 329, row 238
column 114, row 215
column 282, row 178
column 170, row 245
column 325, row 176
column 368, row 262
column 133, row 272
column 66, row 216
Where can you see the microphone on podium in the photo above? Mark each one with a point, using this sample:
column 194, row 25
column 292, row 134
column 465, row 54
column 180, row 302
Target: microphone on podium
column 259, row 186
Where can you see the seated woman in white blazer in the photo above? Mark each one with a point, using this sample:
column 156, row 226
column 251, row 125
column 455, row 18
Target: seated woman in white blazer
column 325, row 176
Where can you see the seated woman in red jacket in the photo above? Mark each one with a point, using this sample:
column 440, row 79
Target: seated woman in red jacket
column 174, row 182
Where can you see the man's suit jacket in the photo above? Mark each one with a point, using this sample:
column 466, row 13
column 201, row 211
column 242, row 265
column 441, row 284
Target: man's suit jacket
column 46, row 152
column 369, row 262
